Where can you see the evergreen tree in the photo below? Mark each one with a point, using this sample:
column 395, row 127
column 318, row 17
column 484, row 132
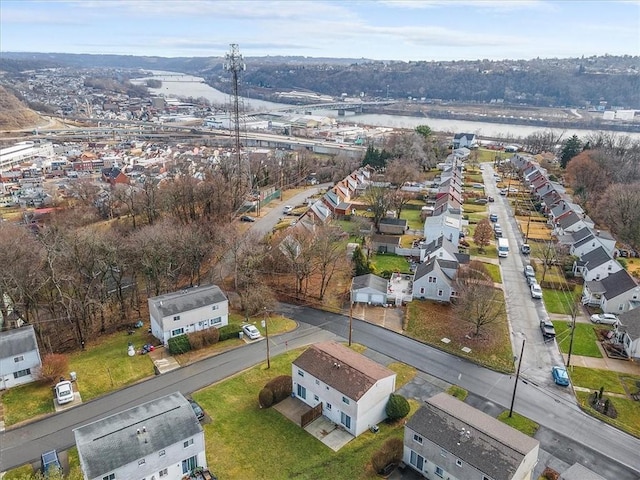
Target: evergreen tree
column 360, row 263
column 571, row 147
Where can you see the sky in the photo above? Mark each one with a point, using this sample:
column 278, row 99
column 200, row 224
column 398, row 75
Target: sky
column 373, row 29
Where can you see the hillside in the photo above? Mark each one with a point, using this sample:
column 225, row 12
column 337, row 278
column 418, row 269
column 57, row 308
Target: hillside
column 14, row 115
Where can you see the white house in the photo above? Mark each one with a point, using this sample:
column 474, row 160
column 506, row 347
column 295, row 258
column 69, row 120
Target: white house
column 19, row 356
column 160, row 439
column 616, row 293
column 464, row 140
column 445, row 224
column 447, row 438
column 352, row 389
column 629, row 333
column 596, row 265
column 435, row 280
column 188, row 311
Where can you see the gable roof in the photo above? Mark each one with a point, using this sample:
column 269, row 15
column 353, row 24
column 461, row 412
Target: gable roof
column 185, row 300
column 17, row 340
column 567, row 220
column 393, row 221
column 370, row 281
column 349, row 372
column 630, row 322
column 580, row 235
column 595, row 258
column 437, row 266
column 113, row 441
column 617, row 283
column 492, row 447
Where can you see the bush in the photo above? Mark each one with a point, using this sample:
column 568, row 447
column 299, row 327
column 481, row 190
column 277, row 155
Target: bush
column 281, row 387
column 229, row 331
column 179, row 344
column 550, row 474
column 265, row 397
column 204, row 338
column 397, row 407
column 389, row 453
column 54, row 366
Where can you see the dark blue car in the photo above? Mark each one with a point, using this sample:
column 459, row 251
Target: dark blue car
column 560, row 376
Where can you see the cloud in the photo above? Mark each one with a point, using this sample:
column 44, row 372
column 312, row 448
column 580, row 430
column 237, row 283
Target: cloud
column 474, row 4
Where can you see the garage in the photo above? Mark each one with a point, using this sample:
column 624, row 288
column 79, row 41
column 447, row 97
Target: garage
column 369, row 289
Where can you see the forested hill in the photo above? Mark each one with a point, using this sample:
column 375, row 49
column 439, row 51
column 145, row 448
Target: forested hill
column 571, row 82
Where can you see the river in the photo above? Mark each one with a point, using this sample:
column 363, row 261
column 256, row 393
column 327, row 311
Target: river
column 183, row 85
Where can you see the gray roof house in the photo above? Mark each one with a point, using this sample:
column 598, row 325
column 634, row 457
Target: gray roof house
column 369, row 289
column 434, row 280
column 19, row 356
column 595, row 265
column 616, row 293
column 629, row 332
column 393, row 226
column 187, row 311
column 447, row 438
column 161, row 438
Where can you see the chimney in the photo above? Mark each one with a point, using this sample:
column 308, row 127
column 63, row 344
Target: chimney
column 597, row 232
column 144, row 429
column 137, row 431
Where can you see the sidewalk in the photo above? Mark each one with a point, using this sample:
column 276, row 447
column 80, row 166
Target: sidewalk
column 605, row 363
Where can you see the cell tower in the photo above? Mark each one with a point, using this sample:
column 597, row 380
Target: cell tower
column 234, row 63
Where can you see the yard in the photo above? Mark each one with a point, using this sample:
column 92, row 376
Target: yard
column 412, row 216
column 279, row 448
column 519, row 422
column 584, row 339
column 431, row 322
column 557, row 301
column 613, row 382
column 494, row 271
column 388, row 262
column 628, row 418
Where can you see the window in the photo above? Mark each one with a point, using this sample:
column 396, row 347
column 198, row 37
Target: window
column 421, row 290
column 416, row 460
column 345, row 419
column 317, row 382
column 459, row 462
column 177, row 331
column 417, row 438
column 141, row 462
column 301, row 373
column 161, row 453
column 22, row 373
column 439, row 293
column 216, row 321
column 215, row 307
column 439, row 471
column 443, row 452
column 176, row 318
column 204, row 323
column 329, row 406
column 163, row 473
column 345, row 400
column 302, row 392
column 19, row 358
column 189, row 464
column 316, row 398
column 432, row 279
column 111, row 476
column 188, row 442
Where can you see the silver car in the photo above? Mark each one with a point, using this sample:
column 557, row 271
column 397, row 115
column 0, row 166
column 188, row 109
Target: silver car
column 605, row 318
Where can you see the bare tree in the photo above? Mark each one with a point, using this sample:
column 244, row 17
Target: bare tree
column 479, row 302
column 329, row 251
column 619, row 208
column 379, row 201
column 549, row 257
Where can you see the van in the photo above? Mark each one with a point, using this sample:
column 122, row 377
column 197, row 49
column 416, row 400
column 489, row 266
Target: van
column 525, row 249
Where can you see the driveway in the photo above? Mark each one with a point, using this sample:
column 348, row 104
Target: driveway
column 524, row 313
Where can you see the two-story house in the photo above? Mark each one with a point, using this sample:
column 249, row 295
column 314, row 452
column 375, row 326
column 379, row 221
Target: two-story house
column 352, row 389
column 19, row 356
column 188, row 311
column 159, row 439
column 595, row 265
column 448, row 439
column 615, row 293
column 435, row 280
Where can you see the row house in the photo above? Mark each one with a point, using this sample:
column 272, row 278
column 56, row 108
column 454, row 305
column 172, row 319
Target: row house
column 595, row 264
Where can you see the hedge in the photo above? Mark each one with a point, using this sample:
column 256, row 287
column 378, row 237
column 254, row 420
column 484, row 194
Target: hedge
column 230, row 331
column 179, row 344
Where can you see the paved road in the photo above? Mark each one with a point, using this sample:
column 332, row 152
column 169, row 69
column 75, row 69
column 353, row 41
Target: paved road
column 570, row 432
column 523, row 312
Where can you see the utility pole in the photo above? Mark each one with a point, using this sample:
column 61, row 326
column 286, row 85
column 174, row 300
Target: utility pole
column 234, row 63
column 350, row 320
column 515, row 385
column 573, row 329
column 266, row 334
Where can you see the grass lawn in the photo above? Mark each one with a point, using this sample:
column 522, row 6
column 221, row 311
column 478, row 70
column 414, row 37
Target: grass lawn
column 494, row 272
column 390, row 262
column 458, row 392
column 517, row 421
column 100, row 368
column 490, row 251
column 584, row 339
column 429, row 322
column 413, row 218
column 233, row 406
column 486, row 155
column 557, row 301
column 474, row 208
column 628, row 418
column 593, row 379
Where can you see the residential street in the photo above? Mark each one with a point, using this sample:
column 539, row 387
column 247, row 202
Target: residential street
column 568, row 433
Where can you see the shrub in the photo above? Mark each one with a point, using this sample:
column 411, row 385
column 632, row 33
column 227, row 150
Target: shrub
column 389, row 453
column 179, row 344
column 397, row 407
column 54, row 366
column 550, row 474
column 265, row 397
column 229, row 331
column 281, row 387
column 204, row 338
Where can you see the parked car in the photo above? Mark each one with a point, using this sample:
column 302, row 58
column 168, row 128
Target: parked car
column 247, row 218
column 493, row 217
column 491, row 199
column 287, row 209
column 197, row 409
column 536, row 291
column 605, row 318
column 503, row 191
column 481, row 201
column 548, row 331
column 64, row 392
column 560, row 376
column 498, row 232
column 525, row 249
column 478, row 185
column 251, row 331
column 529, row 271
column 50, row 463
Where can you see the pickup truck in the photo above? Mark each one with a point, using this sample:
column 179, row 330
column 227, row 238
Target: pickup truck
column 548, row 332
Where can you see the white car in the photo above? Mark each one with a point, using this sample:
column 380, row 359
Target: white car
column 536, row 291
column 64, row 392
column 605, row 318
column 251, row 332
column 287, row 209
